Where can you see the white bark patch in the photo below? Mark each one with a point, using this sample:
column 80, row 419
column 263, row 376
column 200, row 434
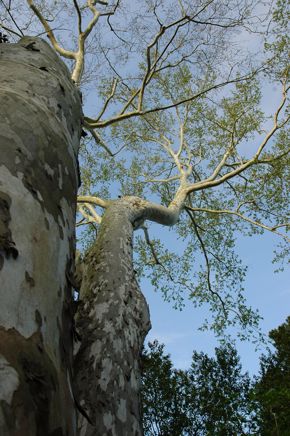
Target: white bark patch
column 133, row 381
column 96, row 349
column 118, row 346
column 43, row 255
column 9, row 380
column 106, row 373
column 83, row 427
column 108, row 423
column 99, row 312
column 122, row 410
column 69, row 383
column 108, row 328
column 49, row 170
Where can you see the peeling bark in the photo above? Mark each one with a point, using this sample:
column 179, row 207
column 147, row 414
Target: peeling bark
column 112, row 320
column 40, row 117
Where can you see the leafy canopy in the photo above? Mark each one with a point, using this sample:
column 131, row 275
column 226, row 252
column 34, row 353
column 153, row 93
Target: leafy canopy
column 273, row 386
column 176, row 112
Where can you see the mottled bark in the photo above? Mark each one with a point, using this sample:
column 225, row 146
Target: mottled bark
column 40, row 115
column 113, row 319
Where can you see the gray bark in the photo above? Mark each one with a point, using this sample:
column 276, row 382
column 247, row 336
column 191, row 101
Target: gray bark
column 40, row 117
column 113, row 319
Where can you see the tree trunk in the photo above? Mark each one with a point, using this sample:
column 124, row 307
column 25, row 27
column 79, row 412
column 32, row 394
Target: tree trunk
column 113, row 319
column 40, row 116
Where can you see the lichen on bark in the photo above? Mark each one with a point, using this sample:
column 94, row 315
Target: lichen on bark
column 112, row 320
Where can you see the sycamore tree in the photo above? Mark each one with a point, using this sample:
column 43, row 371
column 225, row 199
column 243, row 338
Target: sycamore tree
column 168, row 98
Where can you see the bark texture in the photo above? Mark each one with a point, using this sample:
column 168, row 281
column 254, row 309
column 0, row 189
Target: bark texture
column 40, row 116
column 113, row 319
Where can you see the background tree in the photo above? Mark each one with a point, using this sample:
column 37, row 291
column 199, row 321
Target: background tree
column 182, row 134
column 165, row 394
column 273, row 386
column 213, row 397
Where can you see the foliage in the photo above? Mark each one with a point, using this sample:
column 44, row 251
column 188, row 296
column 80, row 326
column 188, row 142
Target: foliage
column 273, row 386
column 173, row 97
column 213, row 397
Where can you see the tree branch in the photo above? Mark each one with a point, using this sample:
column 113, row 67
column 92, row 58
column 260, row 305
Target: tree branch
column 209, row 182
column 92, row 216
column 272, row 229
column 90, row 199
column 65, row 53
column 137, row 113
column 214, row 293
column 12, row 18
column 79, row 15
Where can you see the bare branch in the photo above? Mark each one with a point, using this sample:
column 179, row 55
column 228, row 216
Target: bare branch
column 151, row 245
column 114, row 31
column 113, row 90
column 10, row 30
column 12, row 18
column 100, row 141
column 216, row 294
column 168, row 180
column 79, row 15
column 96, row 15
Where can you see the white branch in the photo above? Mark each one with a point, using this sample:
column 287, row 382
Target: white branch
column 65, row 53
column 90, row 199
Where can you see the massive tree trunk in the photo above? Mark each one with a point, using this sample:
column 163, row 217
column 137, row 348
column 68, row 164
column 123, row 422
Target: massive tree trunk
column 40, row 116
column 44, row 390
column 112, row 321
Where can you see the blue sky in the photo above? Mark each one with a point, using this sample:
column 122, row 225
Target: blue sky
column 265, row 290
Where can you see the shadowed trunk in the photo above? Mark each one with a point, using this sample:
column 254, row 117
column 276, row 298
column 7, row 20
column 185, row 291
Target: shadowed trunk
column 113, row 319
column 40, row 116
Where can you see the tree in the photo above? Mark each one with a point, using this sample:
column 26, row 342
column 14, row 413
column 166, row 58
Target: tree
column 166, row 395
column 273, row 385
column 190, row 151
column 213, row 397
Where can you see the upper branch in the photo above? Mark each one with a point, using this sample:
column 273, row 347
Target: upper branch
column 90, row 199
column 236, row 212
column 79, row 55
column 63, row 52
column 79, row 15
column 213, row 181
column 137, row 113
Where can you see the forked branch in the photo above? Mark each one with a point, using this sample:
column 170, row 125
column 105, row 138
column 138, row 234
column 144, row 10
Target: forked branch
column 79, row 55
